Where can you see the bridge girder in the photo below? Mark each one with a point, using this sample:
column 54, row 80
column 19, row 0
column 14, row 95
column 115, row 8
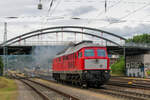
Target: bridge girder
column 67, row 31
column 63, row 27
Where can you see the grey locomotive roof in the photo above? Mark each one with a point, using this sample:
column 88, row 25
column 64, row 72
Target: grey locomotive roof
column 76, row 47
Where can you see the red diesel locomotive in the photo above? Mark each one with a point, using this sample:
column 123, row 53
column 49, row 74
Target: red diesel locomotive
column 84, row 63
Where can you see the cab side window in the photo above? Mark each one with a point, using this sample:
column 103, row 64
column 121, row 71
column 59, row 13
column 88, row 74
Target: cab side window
column 80, row 54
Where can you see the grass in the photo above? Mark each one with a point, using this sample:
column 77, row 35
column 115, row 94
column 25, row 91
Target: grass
column 8, row 89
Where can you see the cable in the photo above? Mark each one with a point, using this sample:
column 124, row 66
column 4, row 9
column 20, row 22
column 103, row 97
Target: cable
column 127, row 14
column 113, row 1
column 132, row 2
column 49, row 14
column 110, row 7
column 130, row 14
column 135, row 11
column 105, row 6
column 56, row 6
column 49, row 9
column 51, row 4
column 104, row 11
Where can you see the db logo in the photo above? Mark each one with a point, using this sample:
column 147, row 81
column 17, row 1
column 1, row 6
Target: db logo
column 96, row 61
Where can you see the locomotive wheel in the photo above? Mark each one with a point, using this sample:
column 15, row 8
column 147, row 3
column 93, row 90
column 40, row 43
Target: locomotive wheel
column 97, row 86
column 73, row 83
column 77, row 83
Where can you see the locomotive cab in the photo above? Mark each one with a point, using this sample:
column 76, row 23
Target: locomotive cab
column 95, row 65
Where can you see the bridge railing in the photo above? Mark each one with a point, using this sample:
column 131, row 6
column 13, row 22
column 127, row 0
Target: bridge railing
column 141, row 45
column 47, row 43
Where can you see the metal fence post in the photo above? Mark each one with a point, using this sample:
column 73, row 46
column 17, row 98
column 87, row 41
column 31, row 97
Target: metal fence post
column 4, row 48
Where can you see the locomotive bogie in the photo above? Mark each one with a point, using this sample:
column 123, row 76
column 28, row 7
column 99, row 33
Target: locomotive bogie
column 90, row 77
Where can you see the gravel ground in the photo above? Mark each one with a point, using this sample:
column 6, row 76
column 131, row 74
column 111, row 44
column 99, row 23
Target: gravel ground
column 82, row 94
column 132, row 78
column 26, row 93
column 132, row 89
column 51, row 94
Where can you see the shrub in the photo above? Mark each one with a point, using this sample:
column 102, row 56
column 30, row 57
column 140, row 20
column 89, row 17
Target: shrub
column 119, row 67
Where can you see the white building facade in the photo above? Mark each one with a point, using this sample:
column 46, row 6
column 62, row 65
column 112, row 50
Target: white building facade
column 138, row 65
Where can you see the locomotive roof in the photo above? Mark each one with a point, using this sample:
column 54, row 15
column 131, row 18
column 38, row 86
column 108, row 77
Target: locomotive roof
column 74, row 48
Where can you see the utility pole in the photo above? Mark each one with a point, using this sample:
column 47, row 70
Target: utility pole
column 5, row 48
column 124, row 49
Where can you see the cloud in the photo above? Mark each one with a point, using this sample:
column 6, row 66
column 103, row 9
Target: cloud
column 129, row 31
column 81, row 10
column 112, row 20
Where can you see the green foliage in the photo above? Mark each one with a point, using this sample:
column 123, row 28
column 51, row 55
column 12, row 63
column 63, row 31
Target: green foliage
column 118, row 67
column 144, row 38
column 1, row 66
column 148, row 72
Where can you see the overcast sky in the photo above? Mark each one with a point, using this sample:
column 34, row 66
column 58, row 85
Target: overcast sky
column 123, row 17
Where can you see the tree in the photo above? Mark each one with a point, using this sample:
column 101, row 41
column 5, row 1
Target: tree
column 144, row 38
column 1, row 66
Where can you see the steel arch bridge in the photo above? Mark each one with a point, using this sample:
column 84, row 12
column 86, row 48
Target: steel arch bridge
column 66, row 29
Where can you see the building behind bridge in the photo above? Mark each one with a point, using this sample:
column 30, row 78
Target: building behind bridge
column 138, row 65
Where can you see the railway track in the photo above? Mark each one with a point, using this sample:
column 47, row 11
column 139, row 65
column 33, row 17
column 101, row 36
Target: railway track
column 47, row 93
column 122, row 83
column 131, row 84
column 119, row 95
column 122, row 88
column 119, row 90
column 44, row 97
column 123, row 93
column 135, row 80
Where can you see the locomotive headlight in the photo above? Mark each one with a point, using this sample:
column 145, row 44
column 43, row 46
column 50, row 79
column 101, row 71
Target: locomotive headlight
column 85, row 71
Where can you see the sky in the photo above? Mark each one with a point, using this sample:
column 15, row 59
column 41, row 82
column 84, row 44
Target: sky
column 122, row 17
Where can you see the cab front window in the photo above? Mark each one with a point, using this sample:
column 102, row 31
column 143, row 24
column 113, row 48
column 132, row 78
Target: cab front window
column 88, row 52
column 101, row 53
